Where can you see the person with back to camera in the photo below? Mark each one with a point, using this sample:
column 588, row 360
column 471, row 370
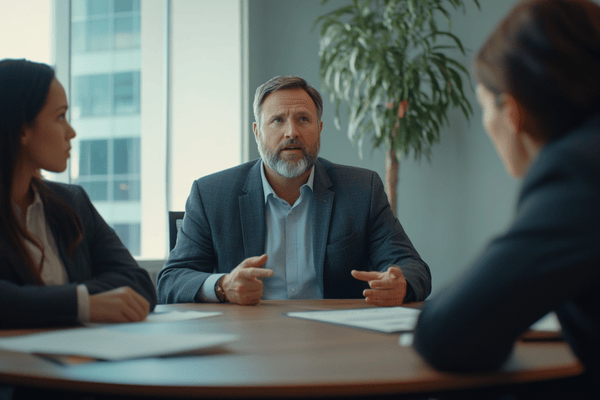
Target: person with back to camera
column 291, row 225
column 539, row 87
column 60, row 263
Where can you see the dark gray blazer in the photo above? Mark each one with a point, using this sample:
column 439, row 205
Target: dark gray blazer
column 354, row 228
column 100, row 261
column 548, row 260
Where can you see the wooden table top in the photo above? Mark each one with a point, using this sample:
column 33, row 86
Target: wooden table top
column 278, row 356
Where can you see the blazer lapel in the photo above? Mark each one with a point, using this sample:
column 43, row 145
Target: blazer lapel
column 323, row 204
column 73, row 273
column 252, row 213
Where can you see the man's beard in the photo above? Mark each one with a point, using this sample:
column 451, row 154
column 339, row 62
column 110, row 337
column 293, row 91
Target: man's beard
column 291, row 168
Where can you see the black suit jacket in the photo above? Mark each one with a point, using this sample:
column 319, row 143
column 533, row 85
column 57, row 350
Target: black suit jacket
column 100, row 261
column 549, row 259
column 354, row 228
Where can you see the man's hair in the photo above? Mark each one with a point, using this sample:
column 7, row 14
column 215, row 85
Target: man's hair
column 281, row 83
column 546, row 54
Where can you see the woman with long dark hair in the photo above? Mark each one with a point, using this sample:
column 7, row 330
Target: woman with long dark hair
column 60, row 263
column 539, row 87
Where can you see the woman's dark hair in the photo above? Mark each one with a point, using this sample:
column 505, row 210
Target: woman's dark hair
column 546, row 54
column 24, row 87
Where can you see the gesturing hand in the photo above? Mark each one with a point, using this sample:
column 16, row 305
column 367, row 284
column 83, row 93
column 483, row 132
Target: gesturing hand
column 387, row 288
column 122, row 304
column 243, row 284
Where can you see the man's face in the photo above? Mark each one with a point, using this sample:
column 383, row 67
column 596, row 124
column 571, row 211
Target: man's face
column 289, row 136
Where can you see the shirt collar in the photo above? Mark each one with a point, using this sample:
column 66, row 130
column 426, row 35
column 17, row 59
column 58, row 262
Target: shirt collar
column 267, row 189
column 36, row 208
column 33, row 207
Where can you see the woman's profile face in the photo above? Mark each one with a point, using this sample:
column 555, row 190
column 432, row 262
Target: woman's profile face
column 501, row 129
column 46, row 144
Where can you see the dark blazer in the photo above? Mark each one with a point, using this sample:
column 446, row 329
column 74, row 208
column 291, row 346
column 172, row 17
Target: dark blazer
column 100, row 261
column 354, row 228
column 549, row 259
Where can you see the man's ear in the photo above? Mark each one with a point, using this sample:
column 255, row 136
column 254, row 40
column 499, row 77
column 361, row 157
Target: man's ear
column 255, row 130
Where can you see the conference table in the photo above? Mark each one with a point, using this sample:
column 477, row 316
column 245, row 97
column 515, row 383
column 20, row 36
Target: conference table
column 277, row 356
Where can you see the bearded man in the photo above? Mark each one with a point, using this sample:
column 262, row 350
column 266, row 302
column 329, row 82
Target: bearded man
column 291, row 225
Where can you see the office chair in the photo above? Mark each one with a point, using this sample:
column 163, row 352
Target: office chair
column 175, row 220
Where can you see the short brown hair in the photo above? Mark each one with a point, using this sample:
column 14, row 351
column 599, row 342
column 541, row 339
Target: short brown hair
column 546, row 54
column 281, row 83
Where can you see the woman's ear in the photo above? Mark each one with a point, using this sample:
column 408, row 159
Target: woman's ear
column 513, row 112
column 25, row 136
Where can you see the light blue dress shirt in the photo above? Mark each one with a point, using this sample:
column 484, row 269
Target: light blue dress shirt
column 289, row 245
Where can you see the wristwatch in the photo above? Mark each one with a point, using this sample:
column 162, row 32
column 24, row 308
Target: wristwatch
column 220, row 292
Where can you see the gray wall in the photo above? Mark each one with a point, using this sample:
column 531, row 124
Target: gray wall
column 450, row 207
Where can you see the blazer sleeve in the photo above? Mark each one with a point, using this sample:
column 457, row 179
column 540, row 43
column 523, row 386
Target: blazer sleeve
column 100, row 261
column 547, row 257
column 103, row 260
column 193, row 259
column 389, row 245
column 31, row 305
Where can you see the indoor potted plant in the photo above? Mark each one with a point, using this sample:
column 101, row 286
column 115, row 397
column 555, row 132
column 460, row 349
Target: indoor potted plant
column 388, row 61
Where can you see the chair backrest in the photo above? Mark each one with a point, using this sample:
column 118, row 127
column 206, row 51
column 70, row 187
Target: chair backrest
column 175, row 220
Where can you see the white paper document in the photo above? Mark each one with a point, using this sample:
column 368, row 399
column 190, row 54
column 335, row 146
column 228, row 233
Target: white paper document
column 383, row 319
column 106, row 344
column 173, row 316
column 548, row 323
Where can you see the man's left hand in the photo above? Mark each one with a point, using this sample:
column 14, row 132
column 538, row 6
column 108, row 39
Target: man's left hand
column 388, row 289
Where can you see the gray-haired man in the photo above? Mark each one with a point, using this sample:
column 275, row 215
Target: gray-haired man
column 291, row 225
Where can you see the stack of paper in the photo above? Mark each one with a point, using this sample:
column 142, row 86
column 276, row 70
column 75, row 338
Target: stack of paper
column 383, row 319
column 107, row 344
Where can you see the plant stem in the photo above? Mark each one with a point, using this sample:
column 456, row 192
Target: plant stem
column 392, row 166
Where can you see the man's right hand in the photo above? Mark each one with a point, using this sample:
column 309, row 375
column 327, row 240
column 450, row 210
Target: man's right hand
column 243, row 284
column 122, row 304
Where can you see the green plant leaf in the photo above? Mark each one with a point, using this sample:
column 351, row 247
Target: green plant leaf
column 375, row 52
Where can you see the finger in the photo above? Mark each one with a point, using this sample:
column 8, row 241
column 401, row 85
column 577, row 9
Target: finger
column 250, row 273
column 240, row 289
column 395, row 272
column 391, row 302
column 140, row 306
column 136, row 302
column 251, row 299
column 379, row 294
column 246, row 297
column 133, row 315
column 254, row 262
column 366, row 275
column 385, row 283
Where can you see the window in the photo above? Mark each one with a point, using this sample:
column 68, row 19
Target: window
column 105, row 111
column 152, row 113
column 129, row 235
column 106, row 94
column 105, row 25
column 109, row 170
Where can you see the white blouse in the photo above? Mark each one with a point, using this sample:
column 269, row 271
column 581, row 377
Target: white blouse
column 53, row 270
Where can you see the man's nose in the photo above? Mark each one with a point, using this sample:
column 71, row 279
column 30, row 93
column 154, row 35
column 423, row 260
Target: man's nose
column 291, row 130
